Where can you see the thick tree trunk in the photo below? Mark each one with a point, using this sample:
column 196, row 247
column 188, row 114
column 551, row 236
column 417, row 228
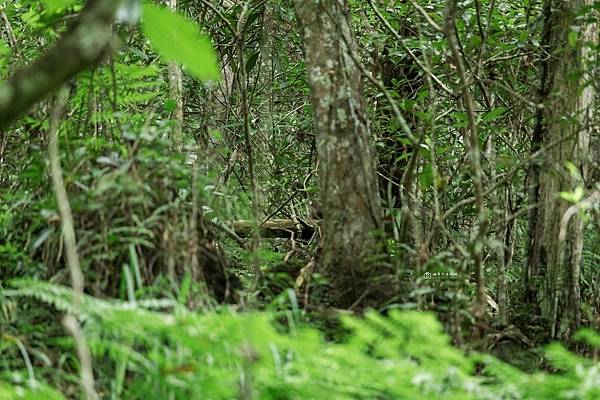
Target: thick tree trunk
column 351, row 206
column 553, row 270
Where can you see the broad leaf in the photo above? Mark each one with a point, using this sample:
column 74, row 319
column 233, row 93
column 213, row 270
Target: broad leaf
column 178, row 39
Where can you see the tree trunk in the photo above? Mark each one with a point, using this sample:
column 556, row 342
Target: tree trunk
column 176, row 95
column 553, row 271
column 351, row 204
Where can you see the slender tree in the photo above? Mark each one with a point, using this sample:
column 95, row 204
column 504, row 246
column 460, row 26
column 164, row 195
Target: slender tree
column 350, row 198
column 176, row 94
column 564, row 123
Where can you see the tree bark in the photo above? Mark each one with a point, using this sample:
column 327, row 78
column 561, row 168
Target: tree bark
column 553, row 271
column 176, row 95
column 351, row 205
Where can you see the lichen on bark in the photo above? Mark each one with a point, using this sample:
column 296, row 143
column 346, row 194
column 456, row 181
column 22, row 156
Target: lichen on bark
column 348, row 184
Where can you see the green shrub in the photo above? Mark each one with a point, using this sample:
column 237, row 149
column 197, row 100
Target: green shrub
column 160, row 350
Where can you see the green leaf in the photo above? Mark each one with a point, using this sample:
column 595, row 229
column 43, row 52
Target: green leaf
column 573, row 39
column 523, row 35
column 53, row 5
column 251, row 61
column 573, row 197
column 216, row 135
column 170, row 105
column 4, row 56
column 426, row 177
column 41, row 392
column 494, row 114
column 179, row 39
column 588, row 336
column 4, row 49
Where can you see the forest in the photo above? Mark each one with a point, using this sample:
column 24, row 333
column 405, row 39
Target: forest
column 299, row 199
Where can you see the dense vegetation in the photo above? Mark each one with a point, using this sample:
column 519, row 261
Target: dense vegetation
column 308, row 199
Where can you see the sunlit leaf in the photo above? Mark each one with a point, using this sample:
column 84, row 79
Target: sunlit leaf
column 179, row 39
column 573, row 197
column 53, row 5
column 572, row 39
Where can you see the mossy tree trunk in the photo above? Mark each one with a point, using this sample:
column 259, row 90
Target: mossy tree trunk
column 564, row 123
column 351, row 205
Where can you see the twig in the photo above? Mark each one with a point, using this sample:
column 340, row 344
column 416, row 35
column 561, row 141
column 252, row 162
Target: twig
column 408, row 50
column 11, row 35
column 426, row 16
column 399, row 117
column 221, row 16
column 472, row 141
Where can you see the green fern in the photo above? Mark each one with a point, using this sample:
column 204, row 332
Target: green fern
column 167, row 351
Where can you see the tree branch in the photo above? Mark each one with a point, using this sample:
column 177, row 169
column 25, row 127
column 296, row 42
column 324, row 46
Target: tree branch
column 79, row 49
column 77, row 279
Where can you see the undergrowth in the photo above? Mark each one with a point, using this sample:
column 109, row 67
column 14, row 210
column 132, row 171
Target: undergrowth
column 159, row 349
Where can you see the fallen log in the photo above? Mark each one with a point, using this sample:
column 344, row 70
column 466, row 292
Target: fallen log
column 277, row 228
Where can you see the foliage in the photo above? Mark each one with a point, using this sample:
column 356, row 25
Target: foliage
column 179, row 40
column 181, row 354
column 155, row 225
